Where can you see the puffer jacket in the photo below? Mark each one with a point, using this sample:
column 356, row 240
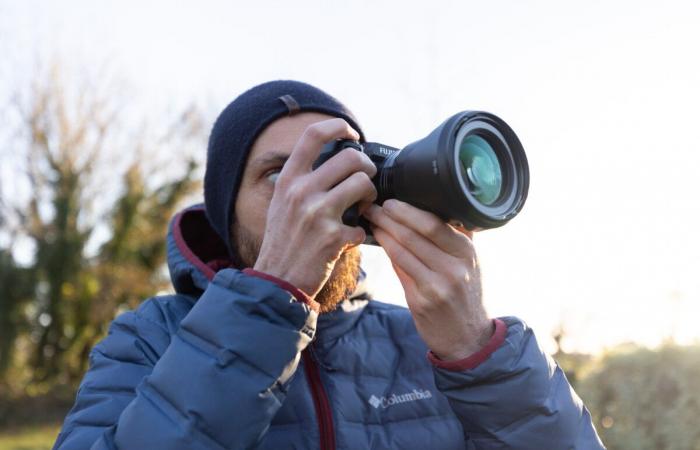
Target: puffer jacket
column 234, row 361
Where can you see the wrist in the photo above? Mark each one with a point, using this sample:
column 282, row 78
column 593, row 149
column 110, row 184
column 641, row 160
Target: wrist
column 474, row 359
column 261, row 266
column 475, row 337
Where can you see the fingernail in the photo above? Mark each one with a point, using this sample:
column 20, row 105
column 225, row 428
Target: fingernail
column 389, row 205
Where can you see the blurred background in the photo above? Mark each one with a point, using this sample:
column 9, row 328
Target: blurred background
column 105, row 108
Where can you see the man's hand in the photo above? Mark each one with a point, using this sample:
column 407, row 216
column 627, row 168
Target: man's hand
column 304, row 233
column 439, row 272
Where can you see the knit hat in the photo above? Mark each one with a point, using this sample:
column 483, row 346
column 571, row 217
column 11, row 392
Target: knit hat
column 235, row 131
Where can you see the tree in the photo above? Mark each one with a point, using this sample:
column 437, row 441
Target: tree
column 16, row 286
column 646, row 399
column 92, row 205
column 572, row 363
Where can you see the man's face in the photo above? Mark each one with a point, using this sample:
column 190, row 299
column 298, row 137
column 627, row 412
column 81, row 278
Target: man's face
column 269, row 152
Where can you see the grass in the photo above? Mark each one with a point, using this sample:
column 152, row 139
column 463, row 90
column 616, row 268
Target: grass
column 29, row 438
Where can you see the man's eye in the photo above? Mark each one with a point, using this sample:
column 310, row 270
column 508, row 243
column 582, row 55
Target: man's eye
column 272, row 175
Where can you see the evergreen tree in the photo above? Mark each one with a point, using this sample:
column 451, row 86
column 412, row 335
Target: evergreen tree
column 72, row 144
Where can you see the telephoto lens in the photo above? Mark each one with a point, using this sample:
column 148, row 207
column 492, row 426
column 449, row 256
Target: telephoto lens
column 471, row 171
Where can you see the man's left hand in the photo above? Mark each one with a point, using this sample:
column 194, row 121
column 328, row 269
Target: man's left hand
column 439, row 271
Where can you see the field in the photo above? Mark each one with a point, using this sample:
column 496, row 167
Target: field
column 30, row 438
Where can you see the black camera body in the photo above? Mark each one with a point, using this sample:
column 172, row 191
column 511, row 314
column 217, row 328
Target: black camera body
column 470, row 171
column 379, row 154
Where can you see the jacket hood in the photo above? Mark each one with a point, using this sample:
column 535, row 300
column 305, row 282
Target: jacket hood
column 196, row 253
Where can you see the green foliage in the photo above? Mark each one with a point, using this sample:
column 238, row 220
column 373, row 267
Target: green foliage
column 54, row 309
column 16, row 287
column 645, row 399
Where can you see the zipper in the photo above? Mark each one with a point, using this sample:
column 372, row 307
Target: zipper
column 321, row 403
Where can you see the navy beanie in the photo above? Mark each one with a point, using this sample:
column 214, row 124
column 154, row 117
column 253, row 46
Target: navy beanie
column 237, row 127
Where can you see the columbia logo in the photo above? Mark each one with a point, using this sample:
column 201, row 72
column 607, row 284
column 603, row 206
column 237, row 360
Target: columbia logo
column 374, row 401
column 393, row 399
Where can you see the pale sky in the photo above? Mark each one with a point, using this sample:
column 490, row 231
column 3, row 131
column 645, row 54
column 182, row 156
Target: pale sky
column 603, row 95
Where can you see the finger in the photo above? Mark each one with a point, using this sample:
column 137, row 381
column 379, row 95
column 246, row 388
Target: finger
column 308, row 147
column 355, row 188
column 353, row 236
column 428, row 225
column 409, row 286
column 426, row 251
column 464, row 231
column 402, row 258
column 406, row 281
column 341, row 166
column 363, row 206
column 414, row 298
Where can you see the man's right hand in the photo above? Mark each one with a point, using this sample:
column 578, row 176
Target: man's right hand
column 304, row 234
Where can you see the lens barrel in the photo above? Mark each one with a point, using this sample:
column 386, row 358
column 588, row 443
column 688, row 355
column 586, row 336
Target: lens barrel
column 471, row 170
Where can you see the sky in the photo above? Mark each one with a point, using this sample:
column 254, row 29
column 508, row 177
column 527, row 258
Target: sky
column 603, row 95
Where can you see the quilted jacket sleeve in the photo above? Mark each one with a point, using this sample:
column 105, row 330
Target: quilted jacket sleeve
column 518, row 398
column 236, row 350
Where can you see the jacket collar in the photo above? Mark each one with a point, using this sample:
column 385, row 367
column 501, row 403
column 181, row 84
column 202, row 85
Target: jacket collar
column 196, row 253
column 334, row 324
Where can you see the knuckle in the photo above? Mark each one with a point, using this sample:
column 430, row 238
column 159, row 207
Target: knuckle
column 330, row 235
column 354, row 180
column 371, row 169
column 440, row 287
column 306, row 214
column 434, row 228
column 314, row 133
column 352, row 157
column 345, row 128
column 342, row 123
column 403, row 235
column 442, row 295
column 435, row 293
column 456, row 278
column 310, row 214
column 361, row 178
column 295, row 194
column 335, row 235
column 364, row 182
column 368, row 165
column 455, row 282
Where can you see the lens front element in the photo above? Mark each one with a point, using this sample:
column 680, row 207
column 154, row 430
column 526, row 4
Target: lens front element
column 480, row 169
column 471, row 170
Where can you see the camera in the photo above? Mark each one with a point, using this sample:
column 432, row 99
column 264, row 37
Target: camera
column 471, row 171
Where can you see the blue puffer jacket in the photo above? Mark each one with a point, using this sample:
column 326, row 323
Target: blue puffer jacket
column 233, row 361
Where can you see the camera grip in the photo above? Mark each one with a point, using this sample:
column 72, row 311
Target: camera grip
column 351, row 217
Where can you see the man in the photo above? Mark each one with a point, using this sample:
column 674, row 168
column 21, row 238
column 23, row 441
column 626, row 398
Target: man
column 291, row 351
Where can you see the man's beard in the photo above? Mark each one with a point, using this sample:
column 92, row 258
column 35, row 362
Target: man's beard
column 341, row 283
